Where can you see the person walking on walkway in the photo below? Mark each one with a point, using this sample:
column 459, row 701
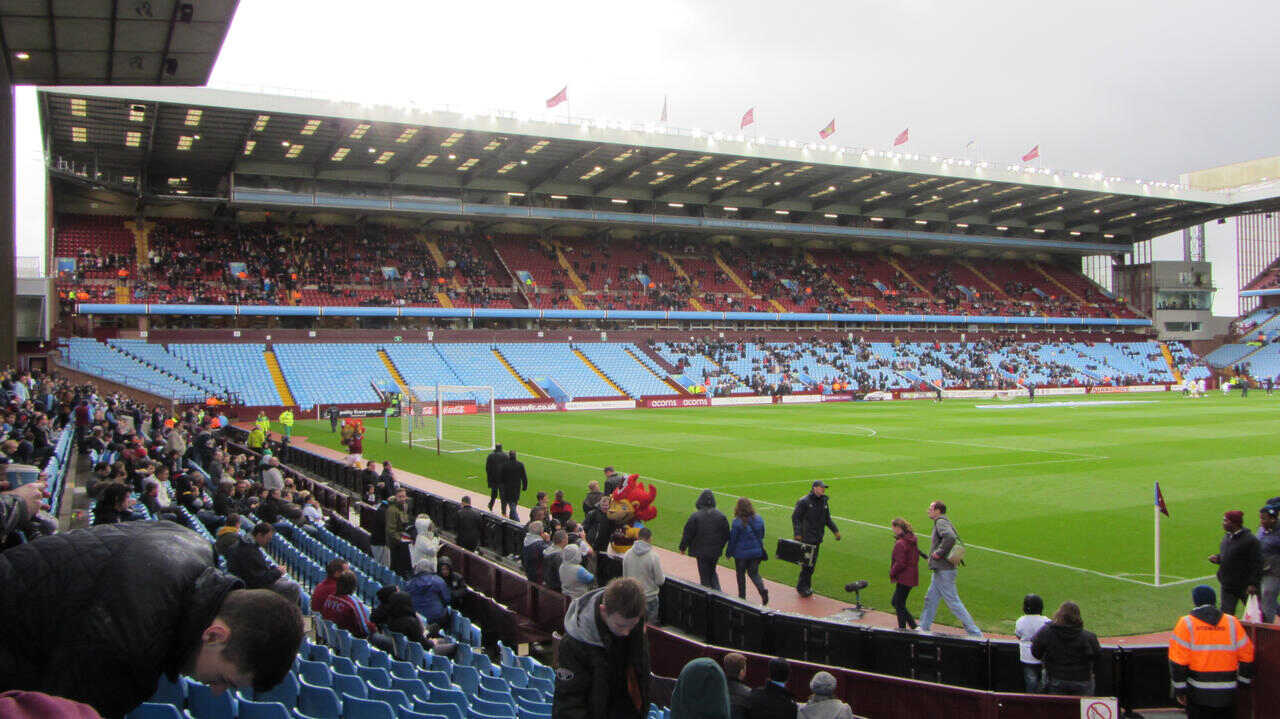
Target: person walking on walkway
column 493, row 472
column 942, row 585
column 904, row 570
column 809, row 523
column 746, row 548
column 705, row 534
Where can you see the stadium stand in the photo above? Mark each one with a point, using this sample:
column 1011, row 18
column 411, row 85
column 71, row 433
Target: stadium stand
column 240, row 367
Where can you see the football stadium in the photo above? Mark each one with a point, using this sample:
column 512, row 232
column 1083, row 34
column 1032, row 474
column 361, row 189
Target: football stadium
column 324, row 408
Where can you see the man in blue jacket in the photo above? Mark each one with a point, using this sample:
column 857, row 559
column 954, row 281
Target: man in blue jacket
column 429, row 593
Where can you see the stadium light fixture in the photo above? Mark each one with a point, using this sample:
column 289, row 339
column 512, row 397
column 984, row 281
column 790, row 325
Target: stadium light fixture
column 515, row 194
column 730, row 209
column 359, row 130
column 185, row 142
column 1039, row 230
column 782, row 212
column 340, row 154
column 1002, row 228
column 1097, row 211
column 1075, row 233
column 830, row 216
column 524, row 162
column 617, row 201
column 719, row 178
column 877, row 219
column 384, row 158
column 133, row 138
column 452, row 156
column 676, row 205
column 962, row 225
column 193, row 117
column 137, row 113
column 78, row 107
column 248, row 147
column 310, row 128
column 777, row 182
column 424, row 162
column 922, row 222
column 294, row 151
column 22, row 56
column 284, row 143
column 559, row 197
column 1109, row 236
column 372, row 150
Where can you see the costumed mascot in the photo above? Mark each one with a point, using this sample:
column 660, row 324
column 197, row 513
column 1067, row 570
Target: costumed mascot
column 630, row 508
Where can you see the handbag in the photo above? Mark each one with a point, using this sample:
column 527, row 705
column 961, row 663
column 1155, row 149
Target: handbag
column 1252, row 611
column 956, row 555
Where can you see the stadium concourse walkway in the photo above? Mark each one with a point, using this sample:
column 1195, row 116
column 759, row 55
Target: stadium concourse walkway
column 783, row 597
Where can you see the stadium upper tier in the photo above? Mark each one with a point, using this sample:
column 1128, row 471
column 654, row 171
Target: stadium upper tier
column 323, row 373
column 104, row 258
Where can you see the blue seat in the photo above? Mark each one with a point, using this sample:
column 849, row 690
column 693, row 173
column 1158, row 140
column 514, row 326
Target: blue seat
column 434, row 678
column 377, row 658
column 528, row 695
column 451, row 696
column 318, row 702
column 286, row 692
column 374, row 675
column 413, row 652
column 317, row 673
column 466, row 677
column 515, row 676
column 202, row 703
column 463, row 655
column 416, row 689
column 342, row 641
column 401, row 643
column 404, row 670
column 154, row 710
column 546, row 686
column 494, row 684
column 350, row 684
column 543, row 712
column 168, row 692
column 411, row 714
column 248, row 709
column 505, row 655
column 442, row 709
column 394, row 697
column 342, row 664
column 482, row 662
column 357, row 650
column 480, row 707
column 491, row 696
column 357, row 708
column 441, row 663
column 320, row 653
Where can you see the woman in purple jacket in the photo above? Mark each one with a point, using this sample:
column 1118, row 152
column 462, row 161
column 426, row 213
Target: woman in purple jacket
column 904, row 570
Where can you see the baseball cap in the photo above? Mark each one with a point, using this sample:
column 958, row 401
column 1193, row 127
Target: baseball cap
column 820, row 483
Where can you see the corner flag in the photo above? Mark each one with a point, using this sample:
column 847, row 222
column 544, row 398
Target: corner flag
column 1160, row 501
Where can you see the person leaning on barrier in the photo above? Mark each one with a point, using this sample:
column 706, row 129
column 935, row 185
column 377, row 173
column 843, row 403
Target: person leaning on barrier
column 604, row 657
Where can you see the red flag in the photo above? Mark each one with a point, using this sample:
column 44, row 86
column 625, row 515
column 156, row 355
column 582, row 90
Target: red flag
column 829, row 130
column 559, row 97
column 1160, row 501
column 902, row 137
column 748, row 119
column 1035, row 152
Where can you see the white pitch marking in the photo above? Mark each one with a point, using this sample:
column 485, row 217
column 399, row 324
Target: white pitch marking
column 922, row 471
column 588, row 439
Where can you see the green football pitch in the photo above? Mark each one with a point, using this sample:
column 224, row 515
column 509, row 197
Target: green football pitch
column 1056, row 500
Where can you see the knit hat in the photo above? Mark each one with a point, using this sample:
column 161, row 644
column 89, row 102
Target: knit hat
column 1270, row 509
column 1234, row 516
column 779, row 670
column 823, row 683
column 1202, row 595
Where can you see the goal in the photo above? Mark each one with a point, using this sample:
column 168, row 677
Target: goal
column 449, row 418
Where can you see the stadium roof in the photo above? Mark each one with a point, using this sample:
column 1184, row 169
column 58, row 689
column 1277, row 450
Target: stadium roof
column 187, row 142
column 108, row 42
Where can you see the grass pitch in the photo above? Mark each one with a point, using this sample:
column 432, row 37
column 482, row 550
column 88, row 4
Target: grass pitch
column 1052, row 500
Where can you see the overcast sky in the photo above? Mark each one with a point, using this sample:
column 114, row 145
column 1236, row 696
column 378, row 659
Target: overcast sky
column 1132, row 87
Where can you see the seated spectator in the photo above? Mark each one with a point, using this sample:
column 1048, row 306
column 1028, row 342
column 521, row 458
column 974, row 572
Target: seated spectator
column 326, row 587
column 823, row 704
column 114, row 505
column 604, row 657
column 345, row 610
column 246, row 560
column 700, row 692
column 735, row 670
column 228, row 534
column 575, row 580
column 561, row 511
column 430, row 595
column 535, row 541
column 151, row 602
column 773, row 700
column 453, row 580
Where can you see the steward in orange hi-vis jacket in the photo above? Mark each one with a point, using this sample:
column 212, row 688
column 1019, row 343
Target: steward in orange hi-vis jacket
column 1209, row 655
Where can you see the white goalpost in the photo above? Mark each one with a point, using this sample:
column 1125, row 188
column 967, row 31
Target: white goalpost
column 449, row 418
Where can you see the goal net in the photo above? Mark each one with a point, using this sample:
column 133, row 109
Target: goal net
column 449, row 418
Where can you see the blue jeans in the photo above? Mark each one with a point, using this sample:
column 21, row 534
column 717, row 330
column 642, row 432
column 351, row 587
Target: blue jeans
column 1269, row 590
column 1031, row 675
column 942, row 587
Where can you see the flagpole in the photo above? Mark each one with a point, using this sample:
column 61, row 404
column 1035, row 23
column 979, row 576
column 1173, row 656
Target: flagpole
column 1156, row 508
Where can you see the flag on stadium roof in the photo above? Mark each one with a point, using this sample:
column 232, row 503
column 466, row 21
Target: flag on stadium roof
column 1160, row 501
column 748, row 119
column 664, row 109
column 902, row 137
column 1033, row 154
column 559, row 97
column 829, row 130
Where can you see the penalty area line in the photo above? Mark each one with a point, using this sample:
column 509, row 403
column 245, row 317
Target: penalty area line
column 921, row 471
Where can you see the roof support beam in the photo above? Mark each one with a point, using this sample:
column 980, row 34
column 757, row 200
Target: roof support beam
column 111, row 42
column 168, row 41
column 859, row 188
column 53, row 43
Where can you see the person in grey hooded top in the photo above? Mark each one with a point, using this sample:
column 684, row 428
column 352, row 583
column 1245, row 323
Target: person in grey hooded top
column 823, row 704
column 705, row 535
column 603, row 671
column 642, row 563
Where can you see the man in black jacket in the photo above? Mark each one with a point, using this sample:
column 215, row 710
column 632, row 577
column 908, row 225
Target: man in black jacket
column 470, row 526
column 98, row 614
column 512, row 482
column 735, row 671
column 604, row 657
column 1239, row 561
column 773, row 700
column 246, row 561
column 493, row 472
column 809, row 523
column 705, row 534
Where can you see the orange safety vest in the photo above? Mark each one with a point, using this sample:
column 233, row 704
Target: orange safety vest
column 1207, row 661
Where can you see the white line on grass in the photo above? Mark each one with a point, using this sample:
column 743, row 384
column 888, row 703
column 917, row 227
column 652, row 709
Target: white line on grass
column 873, row 525
column 921, row 471
column 989, row 446
column 587, row 439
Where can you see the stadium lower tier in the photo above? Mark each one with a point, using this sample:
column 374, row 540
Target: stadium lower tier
column 320, row 374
